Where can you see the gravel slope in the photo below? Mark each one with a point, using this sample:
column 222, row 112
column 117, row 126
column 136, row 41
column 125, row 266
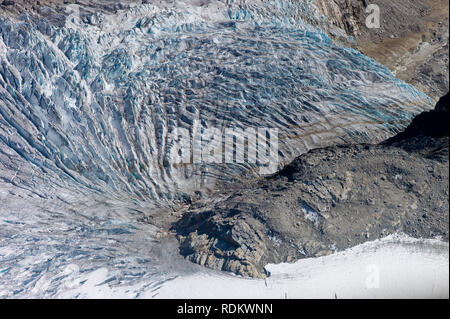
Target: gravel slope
column 326, row 200
column 412, row 39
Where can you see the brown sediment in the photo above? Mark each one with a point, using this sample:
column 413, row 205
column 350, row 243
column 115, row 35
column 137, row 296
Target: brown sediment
column 412, row 40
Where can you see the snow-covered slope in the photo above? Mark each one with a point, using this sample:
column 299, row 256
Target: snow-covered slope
column 395, row 267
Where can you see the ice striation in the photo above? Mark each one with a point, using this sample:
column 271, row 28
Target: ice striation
column 89, row 111
column 98, row 103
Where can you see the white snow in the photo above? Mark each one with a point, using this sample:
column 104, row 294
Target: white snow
column 394, row 267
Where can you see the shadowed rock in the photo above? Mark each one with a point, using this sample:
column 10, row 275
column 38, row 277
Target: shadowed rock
column 326, row 200
column 434, row 123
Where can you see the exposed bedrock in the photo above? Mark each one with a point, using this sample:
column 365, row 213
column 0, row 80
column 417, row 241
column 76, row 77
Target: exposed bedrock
column 412, row 39
column 326, row 200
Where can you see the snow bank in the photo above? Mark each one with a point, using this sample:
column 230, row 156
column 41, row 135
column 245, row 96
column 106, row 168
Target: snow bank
column 394, row 267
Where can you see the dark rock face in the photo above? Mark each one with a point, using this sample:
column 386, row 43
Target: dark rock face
column 434, row 123
column 328, row 199
column 7, row 3
column 217, row 240
column 427, row 134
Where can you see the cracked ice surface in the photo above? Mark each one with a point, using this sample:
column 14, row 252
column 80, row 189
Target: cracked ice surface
column 88, row 110
column 98, row 104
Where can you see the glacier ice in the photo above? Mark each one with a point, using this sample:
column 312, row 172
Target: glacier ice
column 88, row 111
column 98, row 103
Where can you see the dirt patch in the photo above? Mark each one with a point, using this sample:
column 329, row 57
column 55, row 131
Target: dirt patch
column 412, row 39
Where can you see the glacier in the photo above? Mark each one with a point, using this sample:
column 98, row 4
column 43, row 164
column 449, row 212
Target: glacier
column 88, row 111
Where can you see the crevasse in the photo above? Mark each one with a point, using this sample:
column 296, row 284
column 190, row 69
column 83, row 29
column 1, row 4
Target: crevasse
column 88, row 111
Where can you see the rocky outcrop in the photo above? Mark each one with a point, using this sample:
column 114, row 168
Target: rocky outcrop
column 412, row 39
column 427, row 133
column 326, row 200
column 433, row 123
